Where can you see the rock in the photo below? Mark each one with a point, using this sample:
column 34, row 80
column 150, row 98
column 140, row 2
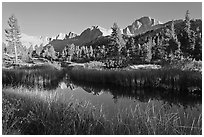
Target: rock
column 141, row 26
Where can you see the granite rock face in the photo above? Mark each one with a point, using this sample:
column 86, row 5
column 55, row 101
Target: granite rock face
column 141, row 26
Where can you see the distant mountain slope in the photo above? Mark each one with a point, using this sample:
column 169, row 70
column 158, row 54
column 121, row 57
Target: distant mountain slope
column 27, row 40
column 178, row 24
column 140, row 26
column 97, row 35
column 85, row 37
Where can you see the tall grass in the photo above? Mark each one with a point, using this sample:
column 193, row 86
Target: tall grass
column 46, row 113
column 173, row 79
column 37, row 76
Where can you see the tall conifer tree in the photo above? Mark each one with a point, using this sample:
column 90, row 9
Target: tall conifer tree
column 13, row 34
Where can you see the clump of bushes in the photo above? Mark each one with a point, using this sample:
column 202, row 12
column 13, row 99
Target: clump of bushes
column 186, row 64
column 94, row 64
column 116, row 62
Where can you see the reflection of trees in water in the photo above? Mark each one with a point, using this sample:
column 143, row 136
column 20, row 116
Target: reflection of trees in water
column 93, row 91
column 143, row 94
column 50, row 79
column 67, row 85
column 46, row 78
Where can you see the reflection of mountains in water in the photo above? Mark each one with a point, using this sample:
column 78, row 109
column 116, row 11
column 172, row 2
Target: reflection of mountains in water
column 143, row 95
column 51, row 79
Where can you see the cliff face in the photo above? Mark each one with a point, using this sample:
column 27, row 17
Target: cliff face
column 86, row 36
column 141, row 25
column 63, row 36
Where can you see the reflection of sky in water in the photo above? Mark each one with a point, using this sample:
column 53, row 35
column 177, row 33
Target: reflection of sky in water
column 112, row 100
column 112, row 105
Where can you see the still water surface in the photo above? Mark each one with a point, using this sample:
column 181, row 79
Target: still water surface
column 111, row 99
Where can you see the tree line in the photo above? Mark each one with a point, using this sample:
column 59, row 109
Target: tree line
column 167, row 44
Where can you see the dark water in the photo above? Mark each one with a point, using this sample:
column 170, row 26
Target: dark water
column 110, row 98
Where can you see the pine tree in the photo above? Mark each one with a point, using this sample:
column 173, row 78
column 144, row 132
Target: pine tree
column 25, row 55
column 117, row 40
column 68, row 51
column 51, row 52
column 133, row 50
column 187, row 38
column 187, row 22
column 30, row 51
column 13, row 34
column 198, row 45
column 91, row 51
column 4, row 49
column 83, row 52
column 129, row 46
column 160, row 48
column 77, row 52
column 174, row 46
column 71, row 51
column 148, row 50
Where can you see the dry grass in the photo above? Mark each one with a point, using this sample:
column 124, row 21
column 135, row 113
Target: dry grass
column 43, row 112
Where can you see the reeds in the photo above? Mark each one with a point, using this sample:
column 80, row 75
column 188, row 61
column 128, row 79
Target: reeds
column 46, row 113
column 173, row 79
column 37, row 76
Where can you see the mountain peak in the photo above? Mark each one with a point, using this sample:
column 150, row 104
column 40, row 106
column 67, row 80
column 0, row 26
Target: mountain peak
column 62, row 36
column 141, row 25
column 148, row 20
column 104, row 31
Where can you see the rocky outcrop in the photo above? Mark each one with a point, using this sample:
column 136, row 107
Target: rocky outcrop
column 70, row 35
column 63, row 36
column 141, row 26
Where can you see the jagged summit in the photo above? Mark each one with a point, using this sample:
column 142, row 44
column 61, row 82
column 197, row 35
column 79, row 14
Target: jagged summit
column 63, row 36
column 104, row 31
column 141, row 25
column 71, row 35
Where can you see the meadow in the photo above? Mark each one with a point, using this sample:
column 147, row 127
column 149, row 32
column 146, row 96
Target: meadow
column 26, row 111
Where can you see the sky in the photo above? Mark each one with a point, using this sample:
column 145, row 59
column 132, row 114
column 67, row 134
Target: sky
column 50, row 19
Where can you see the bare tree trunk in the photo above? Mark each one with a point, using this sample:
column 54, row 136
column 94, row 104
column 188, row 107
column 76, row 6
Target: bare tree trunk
column 16, row 56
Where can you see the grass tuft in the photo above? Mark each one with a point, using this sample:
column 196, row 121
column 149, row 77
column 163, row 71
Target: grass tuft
column 43, row 112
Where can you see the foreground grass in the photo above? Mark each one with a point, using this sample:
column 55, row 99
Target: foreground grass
column 27, row 111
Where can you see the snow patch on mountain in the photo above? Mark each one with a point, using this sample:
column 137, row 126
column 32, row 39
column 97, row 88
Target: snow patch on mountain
column 105, row 32
column 63, row 36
